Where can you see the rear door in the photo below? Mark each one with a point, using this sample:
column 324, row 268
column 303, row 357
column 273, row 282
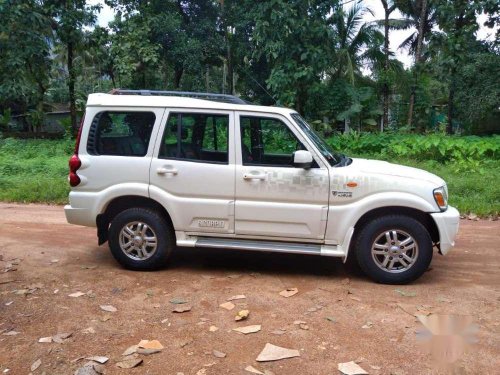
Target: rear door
column 273, row 198
column 192, row 170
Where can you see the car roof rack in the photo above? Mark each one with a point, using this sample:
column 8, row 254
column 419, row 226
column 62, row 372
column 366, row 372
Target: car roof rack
column 224, row 98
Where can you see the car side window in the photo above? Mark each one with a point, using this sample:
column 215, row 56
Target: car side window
column 196, row 137
column 120, row 133
column 267, row 141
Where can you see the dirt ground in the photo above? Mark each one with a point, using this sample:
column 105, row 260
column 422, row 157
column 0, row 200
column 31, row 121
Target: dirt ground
column 55, row 259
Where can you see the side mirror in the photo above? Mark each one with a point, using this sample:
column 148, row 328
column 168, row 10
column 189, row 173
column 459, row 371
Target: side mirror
column 302, row 159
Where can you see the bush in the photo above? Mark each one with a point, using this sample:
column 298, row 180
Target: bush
column 435, row 147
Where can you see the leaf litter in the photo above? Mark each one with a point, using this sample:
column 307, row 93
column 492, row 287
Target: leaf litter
column 274, row 353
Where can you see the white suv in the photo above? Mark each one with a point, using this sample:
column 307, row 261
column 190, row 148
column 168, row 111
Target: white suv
column 153, row 170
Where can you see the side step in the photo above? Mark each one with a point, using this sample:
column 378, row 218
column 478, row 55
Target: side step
column 271, row 246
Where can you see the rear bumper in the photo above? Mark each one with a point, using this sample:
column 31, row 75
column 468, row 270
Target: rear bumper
column 79, row 216
column 447, row 223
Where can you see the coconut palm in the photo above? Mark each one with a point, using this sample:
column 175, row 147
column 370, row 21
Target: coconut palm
column 419, row 15
column 358, row 44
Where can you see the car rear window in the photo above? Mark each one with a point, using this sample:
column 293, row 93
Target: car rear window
column 120, row 133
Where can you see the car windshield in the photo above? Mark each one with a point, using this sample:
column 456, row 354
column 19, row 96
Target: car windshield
column 333, row 157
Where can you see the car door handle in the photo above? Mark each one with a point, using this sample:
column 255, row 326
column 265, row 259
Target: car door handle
column 163, row 171
column 256, row 176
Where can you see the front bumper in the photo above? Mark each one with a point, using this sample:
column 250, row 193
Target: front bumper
column 447, row 223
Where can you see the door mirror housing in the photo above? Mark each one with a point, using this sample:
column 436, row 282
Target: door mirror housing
column 302, row 159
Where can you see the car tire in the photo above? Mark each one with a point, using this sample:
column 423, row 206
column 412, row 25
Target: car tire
column 141, row 239
column 393, row 249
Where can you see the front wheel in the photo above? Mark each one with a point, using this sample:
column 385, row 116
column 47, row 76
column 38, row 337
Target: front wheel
column 141, row 239
column 394, row 249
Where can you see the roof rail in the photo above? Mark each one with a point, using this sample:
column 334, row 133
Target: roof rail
column 224, row 98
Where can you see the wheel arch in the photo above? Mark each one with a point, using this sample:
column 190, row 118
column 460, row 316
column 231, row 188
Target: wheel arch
column 424, row 218
column 121, row 203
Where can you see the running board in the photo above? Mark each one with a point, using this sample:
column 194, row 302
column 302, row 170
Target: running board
column 271, row 246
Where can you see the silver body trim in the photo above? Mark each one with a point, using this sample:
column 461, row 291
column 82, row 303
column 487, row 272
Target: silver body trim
column 274, row 246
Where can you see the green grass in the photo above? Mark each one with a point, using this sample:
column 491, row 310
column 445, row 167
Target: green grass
column 470, row 191
column 36, row 171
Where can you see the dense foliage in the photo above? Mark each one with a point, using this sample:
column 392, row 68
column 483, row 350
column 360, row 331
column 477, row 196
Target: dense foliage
column 36, row 170
column 318, row 56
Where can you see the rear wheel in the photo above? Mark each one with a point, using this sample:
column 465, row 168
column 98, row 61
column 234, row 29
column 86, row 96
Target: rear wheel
column 394, row 249
column 141, row 239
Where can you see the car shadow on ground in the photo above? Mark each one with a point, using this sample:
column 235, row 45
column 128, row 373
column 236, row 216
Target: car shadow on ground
column 242, row 261
column 205, row 260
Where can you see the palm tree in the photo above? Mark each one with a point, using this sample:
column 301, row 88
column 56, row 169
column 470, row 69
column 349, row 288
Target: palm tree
column 419, row 15
column 357, row 45
column 389, row 7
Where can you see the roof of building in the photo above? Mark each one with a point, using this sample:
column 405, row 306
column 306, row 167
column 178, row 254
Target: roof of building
column 124, row 100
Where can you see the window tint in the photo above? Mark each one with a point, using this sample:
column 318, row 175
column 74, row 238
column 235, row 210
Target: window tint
column 120, row 133
column 196, row 137
column 267, row 141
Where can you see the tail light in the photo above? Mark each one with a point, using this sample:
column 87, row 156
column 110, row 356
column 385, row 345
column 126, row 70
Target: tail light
column 74, row 162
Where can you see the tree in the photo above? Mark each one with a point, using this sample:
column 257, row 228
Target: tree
column 419, row 15
column 24, row 55
column 478, row 91
column 358, row 45
column 388, row 9
column 68, row 17
column 296, row 47
column 457, row 19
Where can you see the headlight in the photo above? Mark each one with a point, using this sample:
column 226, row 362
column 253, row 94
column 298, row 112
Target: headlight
column 441, row 197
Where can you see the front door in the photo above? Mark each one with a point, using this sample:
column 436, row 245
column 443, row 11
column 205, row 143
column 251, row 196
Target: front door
column 273, row 198
column 192, row 170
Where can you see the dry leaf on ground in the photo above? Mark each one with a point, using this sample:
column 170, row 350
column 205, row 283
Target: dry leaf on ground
column 288, row 292
column 98, row 358
column 278, row 332
column 129, row 363
column 253, row 370
column 351, row 368
column 237, row 297
column 181, row 309
column 108, row 308
column 89, row 330
column 227, row 305
column 274, row 353
column 218, row 354
column 36, row 364
column 242, row 315
column 61, row 337
column 248, row 329
column 130, row 350
column 153, row 344
column 76, row 294
column 90, row 368
column 11, row 333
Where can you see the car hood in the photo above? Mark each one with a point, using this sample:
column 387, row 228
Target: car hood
column 389, row 169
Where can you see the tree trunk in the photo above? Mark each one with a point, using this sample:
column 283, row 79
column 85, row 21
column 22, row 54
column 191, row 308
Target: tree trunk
column 71, row 88
column 451, row 97
column 385, row 91
column 207, row 78
column 347, row 128
column 418, row 58
column 178, row 72
column 229, row 69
